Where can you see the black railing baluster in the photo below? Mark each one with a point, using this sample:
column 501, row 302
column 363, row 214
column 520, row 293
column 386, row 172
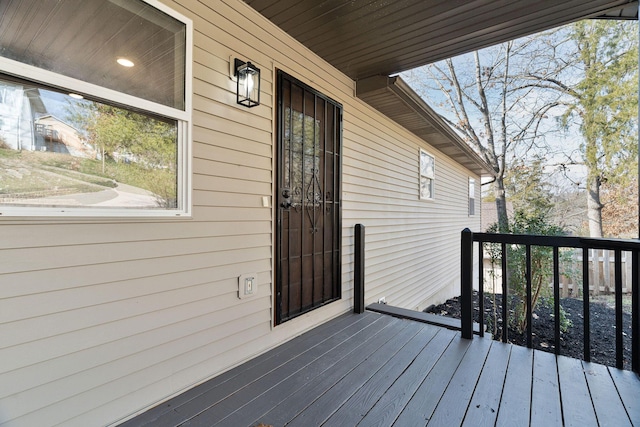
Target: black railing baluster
column 635, row 314
column 556, row 296
column 505, row 296
column 529, row 305
column 585, row 304
column 618, row 290
column 481, row 288
column 554, row 242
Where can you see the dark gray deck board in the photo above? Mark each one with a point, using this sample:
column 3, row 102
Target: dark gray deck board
column 627, row 384
column 515, row 406
column 320, row 410
column 286, row 389
column 577, row 406
column 377, row 370
column 352, row 412
column 483, row 409
column 387, row 409
column 454, row 402
column 422, row 404
column 286, row 410
column 606, row 401
column 420, row 316
column 250, row 388
column 545, row 391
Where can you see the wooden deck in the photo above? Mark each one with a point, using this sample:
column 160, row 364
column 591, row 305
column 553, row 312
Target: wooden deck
column 377, row 370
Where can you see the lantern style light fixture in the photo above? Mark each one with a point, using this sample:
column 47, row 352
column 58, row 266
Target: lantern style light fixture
column 248, row 75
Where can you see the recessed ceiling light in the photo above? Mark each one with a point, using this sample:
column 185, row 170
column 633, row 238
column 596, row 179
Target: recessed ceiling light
column 125, row 62
column 76, row 96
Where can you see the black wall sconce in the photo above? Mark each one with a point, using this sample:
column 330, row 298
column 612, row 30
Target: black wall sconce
column 248, row 92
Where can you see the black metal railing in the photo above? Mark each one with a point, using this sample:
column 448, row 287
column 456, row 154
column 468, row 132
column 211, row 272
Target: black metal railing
column 358, row 269
column 555, row 243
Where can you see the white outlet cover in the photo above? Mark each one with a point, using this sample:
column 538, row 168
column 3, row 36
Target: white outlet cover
column 247, row 285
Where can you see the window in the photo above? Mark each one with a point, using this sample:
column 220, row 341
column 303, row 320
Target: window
column 95, row 113
column 427, row 175
column 472, row 196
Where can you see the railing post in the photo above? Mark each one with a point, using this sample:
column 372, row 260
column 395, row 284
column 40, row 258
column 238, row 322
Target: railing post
column 585, row 304
column 358, row 270
column 635, row 315
column 618, row 297
column 556, row 298
column 466, row 283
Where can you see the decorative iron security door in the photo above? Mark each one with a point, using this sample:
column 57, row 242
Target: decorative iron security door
column 308, row 199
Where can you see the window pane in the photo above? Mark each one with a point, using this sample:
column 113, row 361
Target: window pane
column 426, row 165
column 426, row 188
column 84, row 39
column 59, row 151
column 472, row 197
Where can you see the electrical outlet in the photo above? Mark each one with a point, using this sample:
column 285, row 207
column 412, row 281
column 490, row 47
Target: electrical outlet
column 247, row 285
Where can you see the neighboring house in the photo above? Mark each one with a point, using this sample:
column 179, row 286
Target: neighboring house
column 107, row 312
column 492, row 269
column 59, row 137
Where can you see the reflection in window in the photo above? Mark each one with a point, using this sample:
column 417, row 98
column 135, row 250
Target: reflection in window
column 126, row 45
column 472, row 196
column 302, row 143
column 427, row 175
column 60, row 151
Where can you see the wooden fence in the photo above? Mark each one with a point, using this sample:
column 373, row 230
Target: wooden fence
column 601, row 273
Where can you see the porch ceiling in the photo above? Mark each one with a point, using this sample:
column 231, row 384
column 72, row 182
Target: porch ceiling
column 364, row 38
column 369, row 40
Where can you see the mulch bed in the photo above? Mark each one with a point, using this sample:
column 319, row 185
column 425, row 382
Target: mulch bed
column 602, row 327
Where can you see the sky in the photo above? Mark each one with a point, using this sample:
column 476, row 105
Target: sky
column 557, row 145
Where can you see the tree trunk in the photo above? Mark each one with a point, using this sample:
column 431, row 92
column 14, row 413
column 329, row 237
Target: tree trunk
column 594, row 207
column 501, row 205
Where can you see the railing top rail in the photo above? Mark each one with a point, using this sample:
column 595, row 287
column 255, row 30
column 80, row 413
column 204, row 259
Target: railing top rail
column 558, row 241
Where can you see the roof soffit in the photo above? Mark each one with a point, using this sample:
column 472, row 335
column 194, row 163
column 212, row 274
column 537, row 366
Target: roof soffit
column 393, row 97
column 364, row 38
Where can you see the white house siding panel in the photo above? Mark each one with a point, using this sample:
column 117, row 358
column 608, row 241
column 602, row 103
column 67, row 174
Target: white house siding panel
column 412, row 245
column 101, row 319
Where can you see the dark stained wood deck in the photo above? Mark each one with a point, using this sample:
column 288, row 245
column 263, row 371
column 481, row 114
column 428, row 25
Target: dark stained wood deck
column 373, row 369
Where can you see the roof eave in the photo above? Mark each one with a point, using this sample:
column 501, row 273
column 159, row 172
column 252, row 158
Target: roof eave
column 394, row 98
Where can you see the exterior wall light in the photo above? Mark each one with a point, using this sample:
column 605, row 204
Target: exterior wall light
column 248, row 93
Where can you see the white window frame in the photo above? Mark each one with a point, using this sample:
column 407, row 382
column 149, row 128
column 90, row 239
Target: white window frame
column 420, row 175
column 184, row 130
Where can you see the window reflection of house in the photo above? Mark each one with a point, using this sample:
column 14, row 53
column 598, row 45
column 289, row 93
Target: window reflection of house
column 53, row 134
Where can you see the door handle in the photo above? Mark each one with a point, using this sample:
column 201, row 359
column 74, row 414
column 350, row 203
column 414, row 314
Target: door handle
column 286, row 195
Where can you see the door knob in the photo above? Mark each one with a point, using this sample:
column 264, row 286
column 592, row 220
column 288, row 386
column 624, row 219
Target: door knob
column 286, row 195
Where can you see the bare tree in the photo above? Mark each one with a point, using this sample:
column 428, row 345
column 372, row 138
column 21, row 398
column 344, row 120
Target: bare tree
column 486, row 98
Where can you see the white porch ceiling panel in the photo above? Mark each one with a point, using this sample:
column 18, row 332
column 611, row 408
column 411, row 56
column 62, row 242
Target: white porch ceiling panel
column 363, row 38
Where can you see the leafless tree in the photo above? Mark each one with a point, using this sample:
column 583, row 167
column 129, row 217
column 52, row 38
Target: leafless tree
column 486, row 98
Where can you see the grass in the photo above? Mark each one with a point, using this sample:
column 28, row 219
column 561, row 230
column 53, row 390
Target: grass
column 31, row 174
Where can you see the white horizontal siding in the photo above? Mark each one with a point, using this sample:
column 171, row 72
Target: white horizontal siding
column 412, row 245
column 102, row 318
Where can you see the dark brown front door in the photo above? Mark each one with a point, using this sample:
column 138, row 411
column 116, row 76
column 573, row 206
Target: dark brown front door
column 308, row 199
